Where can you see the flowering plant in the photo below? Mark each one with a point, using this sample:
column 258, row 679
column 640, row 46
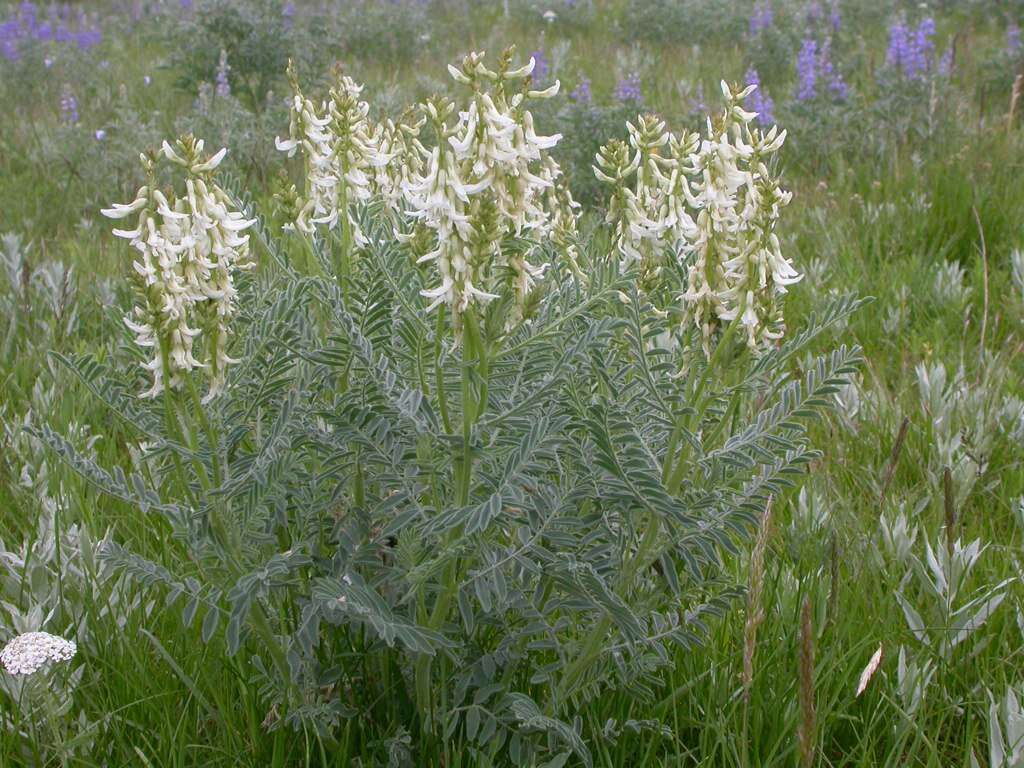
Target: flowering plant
column 471, row 521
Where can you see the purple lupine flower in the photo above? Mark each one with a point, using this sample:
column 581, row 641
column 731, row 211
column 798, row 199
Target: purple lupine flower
column 761, row 18
column 186, row 4
column 835, row 18
column 288, row 11
column 759, row 101
column 922, row 49
column 581, row 93
column 627, row 90
column 9, row 49
column 100, row 134
column 807, row 70
column 223, row 88
column 697, row 105
column 911, row 51
column 541, row 67
column 946, row 62
column 1013, row 38
column 837, row 86
column 899, row 45
column 68, row 106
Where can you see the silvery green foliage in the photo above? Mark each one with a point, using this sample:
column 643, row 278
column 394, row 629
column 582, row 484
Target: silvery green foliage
column 945, row 612
column 1006, row 731
column 964, row 419
column 1017, row 268
column 502, row 525
column 54, row 581
column 948, row 284
column 912, row 680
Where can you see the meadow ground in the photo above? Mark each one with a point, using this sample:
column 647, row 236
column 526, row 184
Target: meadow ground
column 905, row 535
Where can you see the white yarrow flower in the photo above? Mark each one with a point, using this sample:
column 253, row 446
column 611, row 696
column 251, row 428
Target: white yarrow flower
column 30, row 652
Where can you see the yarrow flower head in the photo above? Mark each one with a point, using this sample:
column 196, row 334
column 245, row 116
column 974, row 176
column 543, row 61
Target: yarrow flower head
column 711, row 203
column 28, row 653
column 189, row 249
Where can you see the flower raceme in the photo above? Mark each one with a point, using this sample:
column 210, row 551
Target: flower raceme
column 488, row 178
column 189, row 248
column 476, row 203
column 712, row 204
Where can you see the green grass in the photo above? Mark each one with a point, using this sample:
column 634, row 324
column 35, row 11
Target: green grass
column 877, row 227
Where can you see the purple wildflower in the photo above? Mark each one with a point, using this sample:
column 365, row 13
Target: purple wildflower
column 697, row 104
column 541, row 66
column 1013, row 38
column 627, row 90
column 835, row 18
column 581, row 93
column 911, row 51
column 761, row 18
column 223, row 84
column 807, row 70
column 836, row 84
column 759, row 101
column 100, row 134
column 946, row 62
column 899, row 44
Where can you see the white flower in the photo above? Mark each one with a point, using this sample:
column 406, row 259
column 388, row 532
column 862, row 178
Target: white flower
column 342, row 154
column 28, row 653
column 489, row 178
column 711, row 203
column 188, row 250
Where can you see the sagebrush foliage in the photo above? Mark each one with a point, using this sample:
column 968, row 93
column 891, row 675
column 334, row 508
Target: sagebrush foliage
column 476, row 533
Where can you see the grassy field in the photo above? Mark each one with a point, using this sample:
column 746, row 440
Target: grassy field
column 906, row 535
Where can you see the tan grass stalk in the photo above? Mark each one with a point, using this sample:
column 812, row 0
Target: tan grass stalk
column 1018, row 87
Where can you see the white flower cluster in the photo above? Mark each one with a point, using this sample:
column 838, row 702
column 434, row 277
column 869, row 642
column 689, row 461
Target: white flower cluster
column 28, row 653
column 188, row 250
column 342, row 151
column 711, row 203
column 488, row 178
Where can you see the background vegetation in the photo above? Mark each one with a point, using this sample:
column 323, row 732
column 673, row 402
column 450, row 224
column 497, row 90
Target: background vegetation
column 908, row 188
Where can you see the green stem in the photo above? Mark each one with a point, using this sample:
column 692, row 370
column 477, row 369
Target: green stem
column 699, row 406
column 204, row 423
column 442, row 396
